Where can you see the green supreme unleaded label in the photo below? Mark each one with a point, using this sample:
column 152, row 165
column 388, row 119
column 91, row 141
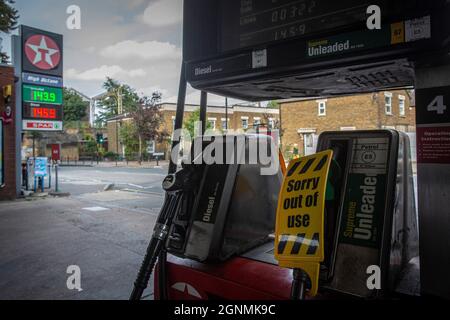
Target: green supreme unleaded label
column 362, row 219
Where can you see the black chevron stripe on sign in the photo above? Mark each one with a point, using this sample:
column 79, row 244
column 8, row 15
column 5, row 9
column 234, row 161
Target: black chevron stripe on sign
column 307, row 166
column 321, row 164
column 299, row 241
column 293, row 169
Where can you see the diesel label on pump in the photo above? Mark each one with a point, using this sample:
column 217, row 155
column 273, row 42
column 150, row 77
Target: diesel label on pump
column 365, row 198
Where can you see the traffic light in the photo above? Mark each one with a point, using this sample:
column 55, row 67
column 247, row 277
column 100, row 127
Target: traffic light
column 100, row 139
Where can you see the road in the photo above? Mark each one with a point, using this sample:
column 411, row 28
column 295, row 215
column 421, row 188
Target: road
column 105, row 234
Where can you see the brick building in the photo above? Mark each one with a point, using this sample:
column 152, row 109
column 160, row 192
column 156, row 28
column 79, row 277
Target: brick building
column 303, row 120
column 240, row 117
column 8, row 144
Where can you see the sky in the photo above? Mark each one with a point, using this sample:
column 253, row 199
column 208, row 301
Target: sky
column 137, row 42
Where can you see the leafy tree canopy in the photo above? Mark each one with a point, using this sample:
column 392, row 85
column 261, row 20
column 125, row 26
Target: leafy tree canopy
column 75, row 109
column 8, row 22
column 116, row 94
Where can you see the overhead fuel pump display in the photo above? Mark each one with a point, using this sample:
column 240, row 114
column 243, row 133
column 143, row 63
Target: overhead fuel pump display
column 251, row 22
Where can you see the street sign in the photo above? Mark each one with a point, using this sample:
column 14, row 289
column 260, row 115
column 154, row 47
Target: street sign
column 56, row 152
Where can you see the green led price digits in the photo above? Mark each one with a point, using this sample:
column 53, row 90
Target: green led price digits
column 42, row 94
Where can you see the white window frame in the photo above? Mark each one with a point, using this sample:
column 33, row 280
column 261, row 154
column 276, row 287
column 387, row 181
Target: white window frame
column 213, row 121
column 256, row 121
column 271, row 123
column 322, row 108
column 348, row 128
column 246, row 126
column 388, row 106
column 402, row 106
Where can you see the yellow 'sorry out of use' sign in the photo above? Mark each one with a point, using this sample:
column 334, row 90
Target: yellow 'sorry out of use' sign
column 300, row 216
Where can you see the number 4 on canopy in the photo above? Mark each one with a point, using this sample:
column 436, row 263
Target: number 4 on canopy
column 437, row 105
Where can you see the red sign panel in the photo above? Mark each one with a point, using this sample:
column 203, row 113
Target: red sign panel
column 433, row 144
column 56, row 152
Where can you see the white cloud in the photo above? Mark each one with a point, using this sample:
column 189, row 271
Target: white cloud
column 163, row 13
column 147, row 50
column 102, row 72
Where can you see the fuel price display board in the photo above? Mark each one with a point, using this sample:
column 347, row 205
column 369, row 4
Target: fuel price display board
column 38, row 111
column 42, row 81
column 39, row 94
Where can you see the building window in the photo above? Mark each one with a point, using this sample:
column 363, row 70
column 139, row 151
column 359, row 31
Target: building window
column 271, row 123
column 225, row 125
column 151, row 149
column 212, row 123
column 244, row 123
column 401, row 106
column 173, row 123
column 256, row 122
column 322, row 108
column 388, row 103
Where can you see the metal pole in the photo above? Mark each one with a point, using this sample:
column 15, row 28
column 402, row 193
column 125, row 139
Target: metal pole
column 203, row 110
column 179, row 117
column 56, row 178
column 49, row 176
column 226, row 113
column 117, row 142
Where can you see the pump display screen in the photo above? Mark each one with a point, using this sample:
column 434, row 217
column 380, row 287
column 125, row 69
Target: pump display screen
column 247, row 23
column 42, row 94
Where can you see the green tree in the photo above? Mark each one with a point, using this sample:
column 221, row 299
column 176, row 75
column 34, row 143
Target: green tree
column 273, row 105
column 117, row 95
column 129, row 138
column 147, row 118
column 191, row 121
column 8, row 22
column 74, row 106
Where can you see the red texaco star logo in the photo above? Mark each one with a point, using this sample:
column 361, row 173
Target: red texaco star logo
column 42, row 52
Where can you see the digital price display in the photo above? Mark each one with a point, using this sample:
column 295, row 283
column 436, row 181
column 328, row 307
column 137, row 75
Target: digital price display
column 38, row 94
column 36, row 111
column 247, row 23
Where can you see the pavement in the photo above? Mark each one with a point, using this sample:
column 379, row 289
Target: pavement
column 104, row 233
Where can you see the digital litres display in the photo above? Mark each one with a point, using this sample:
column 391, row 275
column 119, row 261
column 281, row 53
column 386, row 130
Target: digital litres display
column 42, row 94
column 36, row 111
column 247, row 23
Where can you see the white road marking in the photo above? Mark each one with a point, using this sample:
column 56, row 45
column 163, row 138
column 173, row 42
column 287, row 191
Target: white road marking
column 96, row 209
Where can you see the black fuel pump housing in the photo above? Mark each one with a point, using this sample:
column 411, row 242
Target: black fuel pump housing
column 371, row 222
column 233, row 208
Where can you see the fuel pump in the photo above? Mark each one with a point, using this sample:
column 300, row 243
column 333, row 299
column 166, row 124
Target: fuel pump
column 376, row 223
column 369, row 224
column 216, row 210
